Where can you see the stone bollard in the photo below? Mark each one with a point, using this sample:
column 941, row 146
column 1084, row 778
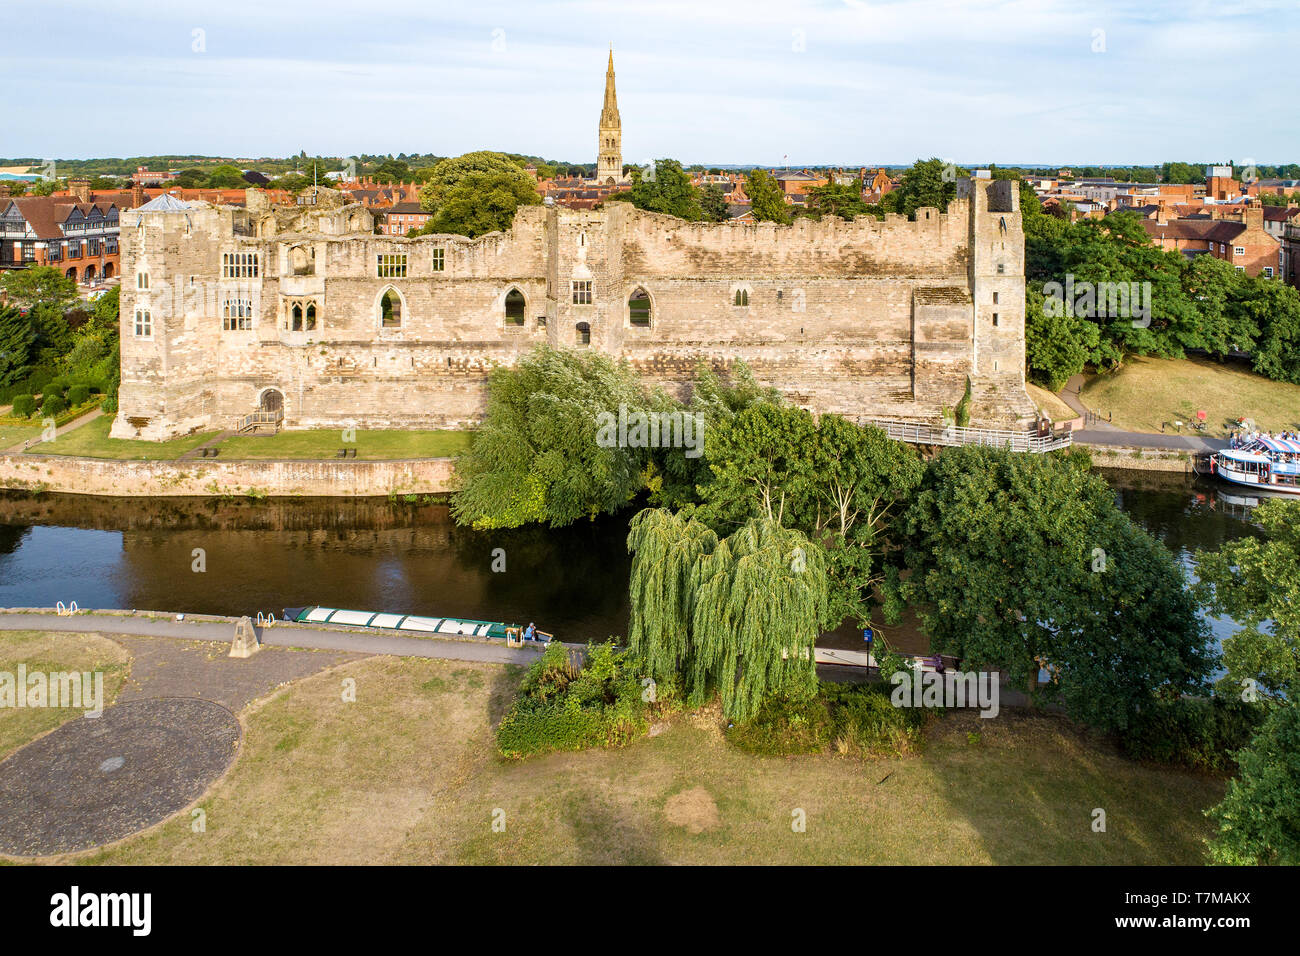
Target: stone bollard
column 245, row 642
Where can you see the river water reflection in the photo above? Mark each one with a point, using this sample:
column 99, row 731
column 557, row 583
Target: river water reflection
column 374, row 554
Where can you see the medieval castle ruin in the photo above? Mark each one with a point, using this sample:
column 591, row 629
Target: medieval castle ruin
column 303, row 313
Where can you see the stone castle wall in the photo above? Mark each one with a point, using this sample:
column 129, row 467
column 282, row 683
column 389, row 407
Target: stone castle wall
column 863, row 318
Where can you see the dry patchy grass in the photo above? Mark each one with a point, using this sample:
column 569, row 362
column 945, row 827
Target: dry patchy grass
column 52, row 652
column 407, row 774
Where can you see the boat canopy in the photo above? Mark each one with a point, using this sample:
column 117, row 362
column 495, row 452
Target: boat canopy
column 399, row 622
column 1279, row 445
column 1238, row 455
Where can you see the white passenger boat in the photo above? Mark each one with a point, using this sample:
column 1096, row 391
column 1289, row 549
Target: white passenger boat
column 1262, row 463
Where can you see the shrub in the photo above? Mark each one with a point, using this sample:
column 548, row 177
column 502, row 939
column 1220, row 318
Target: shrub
column 1196, row 732
column 78, row 395
column 53, row 405
column 844, row 718
column 561, row 706
column 25, row 405
column 109, row 405
column 55, row 386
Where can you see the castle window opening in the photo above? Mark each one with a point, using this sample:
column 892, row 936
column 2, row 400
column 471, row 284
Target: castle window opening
column 143, row 324
column 302, row 261
column 741, row 298
column 142, row 280
column 1002, row 269
column 583, row 336
column 239, row 265
column 237, row 315
column 390, row 310
column 295, row 313
column 439, row 260
column 582, row 291
column 995, row 298
column 638, row 308
column 995, row 320
column 515, row 307
column 311, row 316
column 392, row 266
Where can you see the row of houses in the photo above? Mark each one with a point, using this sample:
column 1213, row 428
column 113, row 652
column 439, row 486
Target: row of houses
column 1222, row 217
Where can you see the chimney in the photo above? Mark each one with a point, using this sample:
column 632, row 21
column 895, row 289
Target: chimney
column 4, row 190
column 137, row 195
column 80, row 188
column 1254, row 217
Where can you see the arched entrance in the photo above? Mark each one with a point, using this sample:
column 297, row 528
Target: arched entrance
column 108, row 270
column 90, row 273
column 272, row 400
column 72, row 273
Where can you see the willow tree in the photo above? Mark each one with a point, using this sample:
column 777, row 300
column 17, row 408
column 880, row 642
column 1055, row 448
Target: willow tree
column 739, row 616
column 667, row 546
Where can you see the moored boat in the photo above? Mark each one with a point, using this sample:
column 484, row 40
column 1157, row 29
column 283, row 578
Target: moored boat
column 444, row 626
column 1262, row 463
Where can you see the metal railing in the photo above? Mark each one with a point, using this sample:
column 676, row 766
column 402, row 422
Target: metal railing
column 253, row 419
column 953, row 435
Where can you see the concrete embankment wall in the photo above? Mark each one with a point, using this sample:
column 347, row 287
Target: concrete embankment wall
column 1141, row 459
column 99, row 476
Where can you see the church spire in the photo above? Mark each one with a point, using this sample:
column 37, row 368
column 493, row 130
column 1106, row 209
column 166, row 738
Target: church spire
column 609, row 113
column 609, row 148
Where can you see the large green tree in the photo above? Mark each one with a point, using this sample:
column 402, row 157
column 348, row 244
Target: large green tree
column 39, row 285
column 17, row 338
column 835, row 482
column 481, row 203
column 928, row 182
column 536, row 457
column 1022, row 562
column 1256, row 582
column 1259, row 818
column 738, row 615
column 448, row 173
column 767, row 201
column 666, row 188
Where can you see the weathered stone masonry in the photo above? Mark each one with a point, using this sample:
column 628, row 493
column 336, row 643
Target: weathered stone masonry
column 863, row 318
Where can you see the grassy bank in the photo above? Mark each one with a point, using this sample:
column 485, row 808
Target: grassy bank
column 407, row 774
column 1148, row 391
column 91, row 441
column 325, row 443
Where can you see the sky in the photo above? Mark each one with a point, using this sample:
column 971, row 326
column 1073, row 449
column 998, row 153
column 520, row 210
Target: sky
column 796, row 82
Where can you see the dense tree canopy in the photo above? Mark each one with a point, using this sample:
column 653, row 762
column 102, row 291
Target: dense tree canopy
column 928, row 182
column 836, row 482
column 1024, row 561
column 1259, row 818
column 767, row 200
column 1256, row 582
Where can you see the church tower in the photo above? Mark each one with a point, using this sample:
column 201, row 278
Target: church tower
column 609, row 153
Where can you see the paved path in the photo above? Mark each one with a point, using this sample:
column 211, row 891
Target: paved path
column 76, row 423
column 281, row 635
column 1104, row 433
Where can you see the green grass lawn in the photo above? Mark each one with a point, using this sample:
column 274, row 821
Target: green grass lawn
column 91, row 441
column 11, row 435
column 325, row 443
column 411, row 776
column 1148, row 391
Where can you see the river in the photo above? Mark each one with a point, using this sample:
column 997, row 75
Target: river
column 375, row 554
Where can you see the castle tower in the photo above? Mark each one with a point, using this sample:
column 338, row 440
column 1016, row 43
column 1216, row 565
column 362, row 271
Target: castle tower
column 609, row 152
